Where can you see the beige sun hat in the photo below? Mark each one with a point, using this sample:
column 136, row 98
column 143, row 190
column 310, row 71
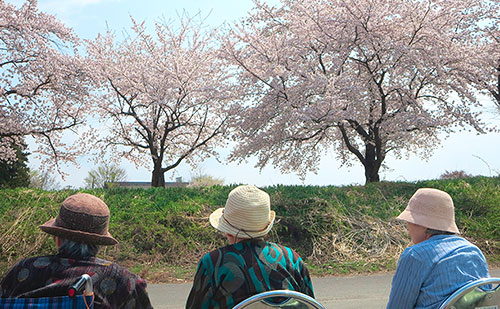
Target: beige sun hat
column 431, row 208
column 247, row 213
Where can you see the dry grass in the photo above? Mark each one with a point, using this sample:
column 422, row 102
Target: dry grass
column 164, row 233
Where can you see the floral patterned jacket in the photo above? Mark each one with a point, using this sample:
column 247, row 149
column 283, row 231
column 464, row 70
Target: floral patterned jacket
column 230, row 274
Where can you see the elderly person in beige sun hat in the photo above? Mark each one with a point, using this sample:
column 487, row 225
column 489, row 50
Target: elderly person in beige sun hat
column 79, row 229
column 249, row 264
column 439, row 262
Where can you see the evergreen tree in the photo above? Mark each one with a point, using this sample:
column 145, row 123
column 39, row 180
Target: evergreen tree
column 15, row 174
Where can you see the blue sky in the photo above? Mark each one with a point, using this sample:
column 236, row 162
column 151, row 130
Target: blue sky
column 89, row 17
column 475, row 154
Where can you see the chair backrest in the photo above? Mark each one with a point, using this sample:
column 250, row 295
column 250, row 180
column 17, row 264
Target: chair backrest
column 80, row 296
column 479, row 294
column 279, row 299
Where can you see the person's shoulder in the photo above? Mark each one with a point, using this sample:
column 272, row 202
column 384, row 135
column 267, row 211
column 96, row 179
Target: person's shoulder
column 114, row 278
column 417, row 251
column 462, row 244
column 285, row 250
column 437, row 246
column 416, row 256
column 27, row 265
column 109, row 264
column 448, row 238
column 115, row 269
column 213, row 255
column 42, row 260
column 236, row 248
column 449, row 242
column 281, row 247
column 461, row 240
column 219, row 250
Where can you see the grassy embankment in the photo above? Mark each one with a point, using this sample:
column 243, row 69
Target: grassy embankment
column 337, row 230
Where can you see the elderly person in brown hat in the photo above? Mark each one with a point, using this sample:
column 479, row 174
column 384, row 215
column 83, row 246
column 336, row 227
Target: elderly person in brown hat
column 249, row 264
column 79, row 229
column 439, row 262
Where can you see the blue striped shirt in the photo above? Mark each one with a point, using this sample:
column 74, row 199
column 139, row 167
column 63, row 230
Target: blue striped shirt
column 432, row 270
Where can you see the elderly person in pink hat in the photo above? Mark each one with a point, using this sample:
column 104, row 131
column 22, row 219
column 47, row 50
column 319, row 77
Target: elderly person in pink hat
column 439, row 262
column 79, row 229
column 249, row 264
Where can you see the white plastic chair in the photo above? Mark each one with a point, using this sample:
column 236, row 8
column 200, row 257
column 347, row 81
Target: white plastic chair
column 479, row 294
column 286, row 298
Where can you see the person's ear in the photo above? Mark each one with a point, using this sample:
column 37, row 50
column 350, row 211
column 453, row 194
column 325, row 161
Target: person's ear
column 58, row 241
column 230, row 238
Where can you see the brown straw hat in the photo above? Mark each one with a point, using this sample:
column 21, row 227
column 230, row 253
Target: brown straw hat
column 82, row 218
column 247, row 213
column 432, row 209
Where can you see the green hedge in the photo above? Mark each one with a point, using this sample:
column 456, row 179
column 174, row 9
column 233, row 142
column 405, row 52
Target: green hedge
column 163, row 232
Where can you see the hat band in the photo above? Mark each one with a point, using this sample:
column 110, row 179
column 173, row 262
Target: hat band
column 244, row 230
column 81, row 222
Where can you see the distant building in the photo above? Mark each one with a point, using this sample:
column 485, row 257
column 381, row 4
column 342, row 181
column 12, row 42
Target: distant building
column 144, row 184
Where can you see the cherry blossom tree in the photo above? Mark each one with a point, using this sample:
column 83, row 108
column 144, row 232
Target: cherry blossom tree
column 166, row 97
column 364, row 77
column 496, row 92
column 494, row 32
column 43, row 88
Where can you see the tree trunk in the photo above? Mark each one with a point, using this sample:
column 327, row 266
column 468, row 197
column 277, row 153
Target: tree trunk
column 158, row 177
column 371, row 173
column 371, row 164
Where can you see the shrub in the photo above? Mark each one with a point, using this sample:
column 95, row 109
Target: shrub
column 205, row 181
column 454, row 175
column 335, row 229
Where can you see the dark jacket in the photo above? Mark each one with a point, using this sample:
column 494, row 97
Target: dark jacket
column 52, row 275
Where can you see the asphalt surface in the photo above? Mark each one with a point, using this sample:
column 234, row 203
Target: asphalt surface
column 370, row 291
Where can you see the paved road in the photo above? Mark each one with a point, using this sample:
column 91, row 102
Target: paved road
column 333, row 292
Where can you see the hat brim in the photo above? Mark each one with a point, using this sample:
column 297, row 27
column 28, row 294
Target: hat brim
column 79, row 236
column 426, row 221
column 221, row 225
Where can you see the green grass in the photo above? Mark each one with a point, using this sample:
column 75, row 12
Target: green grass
column 337, row 230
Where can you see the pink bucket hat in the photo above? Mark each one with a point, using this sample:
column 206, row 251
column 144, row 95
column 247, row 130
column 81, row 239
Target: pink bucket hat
column 247, row 213
column 431, row 208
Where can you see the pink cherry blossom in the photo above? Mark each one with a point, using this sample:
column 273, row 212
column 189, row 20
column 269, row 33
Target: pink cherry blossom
column 43, row 91
column 364, row 77
column 163, row 98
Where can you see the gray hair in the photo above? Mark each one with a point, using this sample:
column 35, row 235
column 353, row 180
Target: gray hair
column 77, row 250
column 438, row 232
